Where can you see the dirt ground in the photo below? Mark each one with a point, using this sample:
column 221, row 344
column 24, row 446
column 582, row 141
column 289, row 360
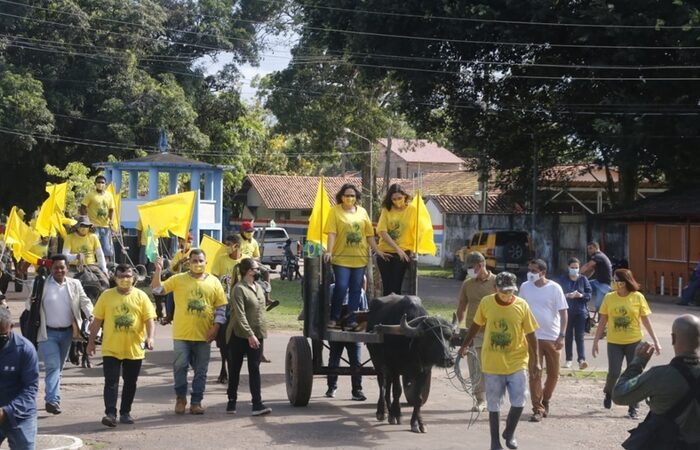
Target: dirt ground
column 577, row 418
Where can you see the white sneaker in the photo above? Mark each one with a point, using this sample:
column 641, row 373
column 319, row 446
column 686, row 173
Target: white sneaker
column 582, row 365
column 568, row 364
column 479, row 407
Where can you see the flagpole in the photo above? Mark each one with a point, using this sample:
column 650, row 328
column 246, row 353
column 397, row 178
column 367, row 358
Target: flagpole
column 415, row 252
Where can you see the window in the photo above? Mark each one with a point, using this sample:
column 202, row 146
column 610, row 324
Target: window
column 305, row 213
column 282, row 215
column 669, row 242
column 475, row 239
column 398, row 172
column 484, row 238
column 275, row 235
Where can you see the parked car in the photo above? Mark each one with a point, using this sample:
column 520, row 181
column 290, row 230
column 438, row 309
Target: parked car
column 272, row 240
column 503, row 250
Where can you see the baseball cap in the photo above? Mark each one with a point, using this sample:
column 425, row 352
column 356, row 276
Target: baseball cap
column 247, row 226
column 506, row 281
column 475, row 258
column 84, row 221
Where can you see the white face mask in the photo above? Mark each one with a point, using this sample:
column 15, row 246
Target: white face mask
column 471, row 273
column 573, row 272
column 532, row 277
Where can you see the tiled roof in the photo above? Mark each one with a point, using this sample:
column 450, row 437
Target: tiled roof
column 582, row 175
column 464, row 204
column 298, row 192
column 677, row 204
column 421, row 151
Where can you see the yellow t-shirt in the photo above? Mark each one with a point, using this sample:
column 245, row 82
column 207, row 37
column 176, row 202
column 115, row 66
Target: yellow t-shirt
column 181, row 254
column 98, row 206
column 84, row 245
column 225, row 266
column 250, row 249
column 400, row 226
column 351, row 229
column 505, row 347
column 623, row 316
column 195, row 302
column 124, row 322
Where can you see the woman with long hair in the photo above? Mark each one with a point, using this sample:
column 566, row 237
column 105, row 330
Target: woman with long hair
column 625, row 309
column 350, row 237
column 397, row 233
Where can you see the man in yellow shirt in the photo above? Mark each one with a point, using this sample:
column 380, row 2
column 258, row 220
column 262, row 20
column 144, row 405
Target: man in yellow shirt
column 82, row 248
column 225, row 265
column 251, row 249
column 200, row 310
column 126, row 315
column 509, row 346
column 98, row 205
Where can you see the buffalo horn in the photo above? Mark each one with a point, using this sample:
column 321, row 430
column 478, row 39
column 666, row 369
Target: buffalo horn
column 408, row 330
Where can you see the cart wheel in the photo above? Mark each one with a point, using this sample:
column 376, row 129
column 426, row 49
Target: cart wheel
column 298, row 370
column 410, row 395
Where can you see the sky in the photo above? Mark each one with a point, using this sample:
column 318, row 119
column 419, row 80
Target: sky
column 272, row 59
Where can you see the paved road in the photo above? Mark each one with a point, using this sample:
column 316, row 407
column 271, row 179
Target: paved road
column 577, row 421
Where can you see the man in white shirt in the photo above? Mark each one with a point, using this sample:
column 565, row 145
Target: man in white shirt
column 548, row 304
column 61, row 302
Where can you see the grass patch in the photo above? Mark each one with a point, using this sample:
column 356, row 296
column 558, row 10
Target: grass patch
column 284, row 317
column 587, row 374
column 434, row 272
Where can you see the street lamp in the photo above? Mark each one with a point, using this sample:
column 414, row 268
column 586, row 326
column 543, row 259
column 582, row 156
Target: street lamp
column 371, row 169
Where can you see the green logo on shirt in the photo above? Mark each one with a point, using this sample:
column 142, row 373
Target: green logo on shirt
column 394, row 230
column 622, row 321
column 354, row 237
column 123, row 320
column 196, row 304
column 501, row 339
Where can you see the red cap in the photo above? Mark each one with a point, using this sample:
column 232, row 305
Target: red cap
column 247, row 226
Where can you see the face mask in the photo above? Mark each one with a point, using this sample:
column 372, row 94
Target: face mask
column 3, row 339
column 83, row 231
column 124, row 283
column 99, row 187
column 256, row 276
column 532, row 277
column 197, row 268
column 471, row 273
column 399, row 203
column 504, row 296
column 348, row 201
column 573, row 272
column 248, row 235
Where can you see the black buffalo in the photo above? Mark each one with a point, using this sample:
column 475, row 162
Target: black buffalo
column 413, row 343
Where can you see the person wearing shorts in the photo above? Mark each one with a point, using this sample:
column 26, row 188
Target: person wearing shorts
column 509, row 350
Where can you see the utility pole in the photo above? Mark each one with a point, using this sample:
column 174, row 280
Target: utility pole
column 483, row 183
column 387, row 163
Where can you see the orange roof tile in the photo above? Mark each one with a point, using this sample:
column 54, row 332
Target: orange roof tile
column 421, row 151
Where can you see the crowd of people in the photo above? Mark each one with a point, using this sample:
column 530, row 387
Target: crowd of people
column 517, row 331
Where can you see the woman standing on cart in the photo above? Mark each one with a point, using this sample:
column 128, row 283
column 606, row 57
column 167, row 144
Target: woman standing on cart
column 350, row 236
column 396, row 229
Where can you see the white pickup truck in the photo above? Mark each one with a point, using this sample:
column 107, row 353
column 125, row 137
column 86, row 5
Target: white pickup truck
column 272, row 240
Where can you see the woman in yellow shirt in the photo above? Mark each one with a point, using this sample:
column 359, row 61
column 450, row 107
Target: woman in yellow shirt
column 397, row 233
column 623, row 309
column 350, row 236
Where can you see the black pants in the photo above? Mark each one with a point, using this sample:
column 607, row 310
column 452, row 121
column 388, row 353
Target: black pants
column 130, row 369
column 392, row 271
column 238, row 347
column 354, row 350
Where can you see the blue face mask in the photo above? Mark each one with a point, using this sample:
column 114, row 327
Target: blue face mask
column 573, row 272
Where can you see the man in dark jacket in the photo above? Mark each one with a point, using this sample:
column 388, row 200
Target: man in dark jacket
column 19, row 383
column 665, row 386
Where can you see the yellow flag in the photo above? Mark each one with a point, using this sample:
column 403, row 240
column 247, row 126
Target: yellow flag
column 51, row 216
column 116, row 216
column 319, row 216
column 172, row 213
column 425, row 243
column 20, row 237
column 212, row 249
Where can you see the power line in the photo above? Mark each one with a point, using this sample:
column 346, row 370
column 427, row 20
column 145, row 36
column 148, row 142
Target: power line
column 511, row 22
column 420, row 38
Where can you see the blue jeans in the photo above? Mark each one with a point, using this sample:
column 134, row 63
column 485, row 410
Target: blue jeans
column 575, row 329
column 21, row 438
column 195, row 353
column 599, row 291
column 105, row 236
column 54, row 352
column 347, row 280
column 354, row 350
column 688, row 294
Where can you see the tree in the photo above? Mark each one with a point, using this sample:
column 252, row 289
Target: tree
column 507, row 78
column 94, row 78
